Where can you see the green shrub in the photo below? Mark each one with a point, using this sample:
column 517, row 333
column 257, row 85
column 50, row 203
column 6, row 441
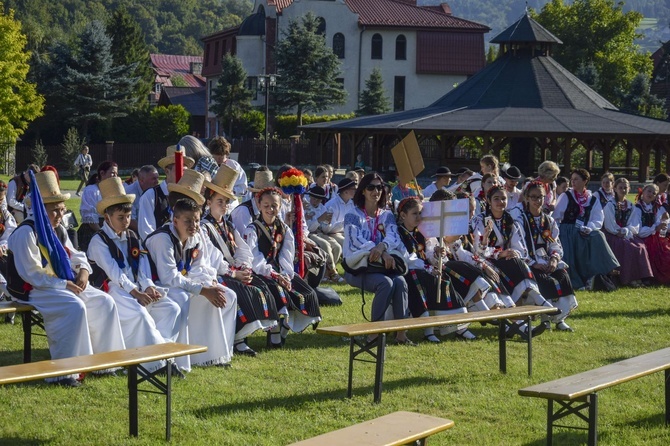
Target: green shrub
column 286, row 125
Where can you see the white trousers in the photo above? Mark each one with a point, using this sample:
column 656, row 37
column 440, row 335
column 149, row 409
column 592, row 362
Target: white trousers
column 78, row 324
column 137, row 325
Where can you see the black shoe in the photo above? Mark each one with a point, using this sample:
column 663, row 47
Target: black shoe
column 537, row 331
column 67, row 382
column 270, row 344
column 9, row 318
column 248, row 352
column 493, row 322
column 225, row 365
column 515, row 329
column 432, row 338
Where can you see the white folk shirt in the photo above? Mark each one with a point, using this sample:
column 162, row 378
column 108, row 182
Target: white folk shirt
column 596, row 217
column 340, row 209
column 146, row 223
column 610, row 224
column 241, row 217
column 285, row 258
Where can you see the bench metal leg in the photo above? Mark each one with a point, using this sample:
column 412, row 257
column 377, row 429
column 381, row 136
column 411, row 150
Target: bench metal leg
column 530, row 346
column 27, row 337
column 667, row 397
column 164, row 388
column 379, row 345
column 502, row 345
column 575, row 407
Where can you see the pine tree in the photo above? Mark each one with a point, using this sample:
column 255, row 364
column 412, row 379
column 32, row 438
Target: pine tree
column 128, row 48
column 231, row 98
column 373, row 100
column 39, row 154
column 70, row 148
column 85, row 84
column 19, row 101
column 308, row 69
column 638, row 99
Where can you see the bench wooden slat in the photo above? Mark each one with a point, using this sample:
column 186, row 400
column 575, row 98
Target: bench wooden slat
column 7, row 307
column 100, row 361
column 397, row 428
column 368, row 328
column 592, row 381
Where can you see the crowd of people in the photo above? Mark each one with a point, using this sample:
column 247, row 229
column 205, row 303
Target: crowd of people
column 206, row 257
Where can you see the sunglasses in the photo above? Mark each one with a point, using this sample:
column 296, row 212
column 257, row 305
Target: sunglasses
column 371, row 187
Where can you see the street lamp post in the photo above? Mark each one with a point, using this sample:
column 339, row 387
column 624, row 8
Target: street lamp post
column 266, row 82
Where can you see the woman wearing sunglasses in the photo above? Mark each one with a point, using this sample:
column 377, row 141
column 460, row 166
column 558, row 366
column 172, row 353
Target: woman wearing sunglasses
column 370, row 232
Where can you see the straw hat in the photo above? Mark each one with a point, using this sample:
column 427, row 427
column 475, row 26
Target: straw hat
column 169, row 158
column 262, row 179
column 190, row 185
column 49, row 188
column 224, row 181
column 112, row 192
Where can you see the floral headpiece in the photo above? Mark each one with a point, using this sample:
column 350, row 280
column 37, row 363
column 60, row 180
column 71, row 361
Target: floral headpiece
column 492, row 191
column 293, row 181
column 406, row 201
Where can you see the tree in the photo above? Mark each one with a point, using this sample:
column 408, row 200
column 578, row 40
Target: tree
column 168, row 124
column 308, row 69
column 19, row 101
column 70, row 148
column 39, row 154
column 638, row 99
column 83, row 82
column 588, row 73
column 373, row 100
column 598, row 32
column 231, row 98
column 491, row 54
column 130, row 48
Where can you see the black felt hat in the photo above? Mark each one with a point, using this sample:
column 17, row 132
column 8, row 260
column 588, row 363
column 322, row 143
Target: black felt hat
column 443, row 172
column 512, row 173
column 345, row 183
column 317, row 192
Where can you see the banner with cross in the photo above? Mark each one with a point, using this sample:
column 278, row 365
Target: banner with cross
column 442, row 218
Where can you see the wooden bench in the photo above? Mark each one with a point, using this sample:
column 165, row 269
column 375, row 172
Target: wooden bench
column 131, row 358
column 397, row 428
column 31, row 318
column 579, row 392
column 381, row 328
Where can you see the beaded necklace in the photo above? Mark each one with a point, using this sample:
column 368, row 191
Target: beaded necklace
column 374, row 226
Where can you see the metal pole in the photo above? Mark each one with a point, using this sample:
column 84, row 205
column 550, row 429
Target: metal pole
column 267, row 111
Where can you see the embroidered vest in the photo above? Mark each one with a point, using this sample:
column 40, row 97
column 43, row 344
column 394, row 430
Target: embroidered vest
column 572, row 213
column 648, row 217
column 161, row 207
column 622, row 215
column 99, row 278
column 16, row 286
column 268, row 247
column 224, row 235
column 182, row 258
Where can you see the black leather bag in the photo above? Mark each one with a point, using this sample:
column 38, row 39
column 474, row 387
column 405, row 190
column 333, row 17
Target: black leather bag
column 363, row 266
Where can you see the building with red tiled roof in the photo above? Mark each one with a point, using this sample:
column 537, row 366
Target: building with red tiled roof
column 419, row 49
column 175, row 71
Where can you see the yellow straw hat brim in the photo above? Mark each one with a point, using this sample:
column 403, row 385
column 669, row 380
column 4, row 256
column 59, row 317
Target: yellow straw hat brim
column 220, row 190
column 199, row 199
column 111, row 201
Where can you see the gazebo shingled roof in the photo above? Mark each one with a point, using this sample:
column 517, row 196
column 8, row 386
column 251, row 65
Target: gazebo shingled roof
column 524, row 93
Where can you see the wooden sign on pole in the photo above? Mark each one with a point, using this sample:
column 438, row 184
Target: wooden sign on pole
column 408, row 159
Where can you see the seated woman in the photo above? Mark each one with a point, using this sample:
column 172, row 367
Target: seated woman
column 606, row 192
column 620, row 232
column 272, row 245
column 544, row 254
column 423, row 277
column 580, row 218
column 499, row 239
column 488, row 181
column 256, row 305
column 652, row 219
column 370, row 232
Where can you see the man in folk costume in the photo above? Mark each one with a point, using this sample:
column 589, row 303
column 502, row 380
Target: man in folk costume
column 154, row 210
column 512, row 176
column 46, row 271
column 442, row 177
column 147, row 316
column 184, row 260
column 17, row 189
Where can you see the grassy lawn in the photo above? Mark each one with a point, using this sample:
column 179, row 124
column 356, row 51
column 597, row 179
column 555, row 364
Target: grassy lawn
column 288, row 395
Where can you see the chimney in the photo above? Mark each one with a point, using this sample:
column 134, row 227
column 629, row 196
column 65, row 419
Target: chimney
column 196, row 68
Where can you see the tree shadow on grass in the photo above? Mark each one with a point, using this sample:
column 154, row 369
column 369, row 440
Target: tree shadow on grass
column 563, row 438
column 631, row 313
column 297, row 402
column 15, row 441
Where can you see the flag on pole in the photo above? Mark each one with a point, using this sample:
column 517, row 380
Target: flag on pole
column 178, row 164
column 50, row 246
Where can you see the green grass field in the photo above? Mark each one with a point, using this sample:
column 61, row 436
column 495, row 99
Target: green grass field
column 288, row 395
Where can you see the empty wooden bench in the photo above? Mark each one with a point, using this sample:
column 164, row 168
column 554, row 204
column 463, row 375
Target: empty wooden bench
column 377, row 347
column 31, row 318
column 578, row 394
column 130, row 358
column 397, row 428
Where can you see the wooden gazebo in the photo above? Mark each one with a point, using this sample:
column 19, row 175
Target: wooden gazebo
column 524, row 101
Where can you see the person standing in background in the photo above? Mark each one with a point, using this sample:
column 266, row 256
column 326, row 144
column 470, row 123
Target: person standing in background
column 83, row 164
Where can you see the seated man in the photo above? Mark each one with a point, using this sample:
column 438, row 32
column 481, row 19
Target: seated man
column 184, row 260
column 79, row 319
column 147, row 316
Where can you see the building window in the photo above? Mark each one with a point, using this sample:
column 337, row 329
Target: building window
column 399, row 93
column 321, row 27
column 377, row 45
column 401, row 48
column 252, row 86
column 216, row 52
column 338, row 45
column 208, row 48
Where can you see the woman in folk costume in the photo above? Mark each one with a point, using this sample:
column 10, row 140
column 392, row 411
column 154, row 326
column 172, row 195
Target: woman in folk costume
column 547, row 172
column 91, row 220
column 471, row 276
column 652, row 219
column 7, row 227
column 499, row 239
column 272, row 245
column 78, row 319
column 147, row 316
column 606, row 192
column 256, row 305
column 580, row 218
column 488, row 181
column 424, row 276
column 370, row 232
column 662, row 180
column 183, row 259
column 620, row 232
column 541, row 234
